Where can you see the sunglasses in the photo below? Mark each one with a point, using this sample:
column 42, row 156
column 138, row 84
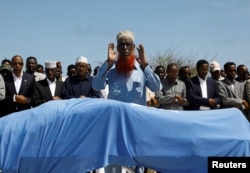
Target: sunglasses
column 128, row 45
column 17, row 63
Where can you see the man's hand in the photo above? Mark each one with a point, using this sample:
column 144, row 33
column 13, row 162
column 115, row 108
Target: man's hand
column 180, row 99
column 142, row 60
column 111, row 54
column 212, row 102
column 246, row 104
column 56, row 98
column 21, row 99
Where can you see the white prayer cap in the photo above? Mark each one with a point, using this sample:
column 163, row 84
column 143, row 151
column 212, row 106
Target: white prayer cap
column 125, row 33
column 50, row 64
column 82, row 59
column 214, row 66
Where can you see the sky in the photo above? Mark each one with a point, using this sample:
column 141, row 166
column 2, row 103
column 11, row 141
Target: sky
column 62, row 30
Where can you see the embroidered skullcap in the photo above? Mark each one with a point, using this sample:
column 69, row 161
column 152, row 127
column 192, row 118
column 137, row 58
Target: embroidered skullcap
column 50, row 64
column 125, row 33
column 82, row 59
column 214, row 66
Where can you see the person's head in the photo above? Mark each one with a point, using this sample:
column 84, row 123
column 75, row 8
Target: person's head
column 50, row 70
column 184, row 73
column 222, row 73
column 17, row 64
column 202, row 68
column 160, row 71
column 172, row 72
column 242, row 72
column 230, row 70
column 5, row 69
column 96, row 70
column 6, row 61
column 89, row 69
column 71, row 70
column 125, row 48
column 81, row 67
column 31, row 64
column 215, row 70
column 39, row 68
column 59, row 70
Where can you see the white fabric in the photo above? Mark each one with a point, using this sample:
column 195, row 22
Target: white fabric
column 52, row 87
column 82, row 59
column 50, row 64
column 17, row 81
column 203, row 85
column 214, row 66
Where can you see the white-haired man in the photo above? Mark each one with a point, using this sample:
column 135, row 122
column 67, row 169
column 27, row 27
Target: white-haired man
column 126, row 75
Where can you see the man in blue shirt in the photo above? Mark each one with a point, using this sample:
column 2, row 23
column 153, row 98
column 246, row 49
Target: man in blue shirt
column 126, row 75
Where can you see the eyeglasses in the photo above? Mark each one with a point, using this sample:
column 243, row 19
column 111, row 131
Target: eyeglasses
column 128, row 45
column 17, row 63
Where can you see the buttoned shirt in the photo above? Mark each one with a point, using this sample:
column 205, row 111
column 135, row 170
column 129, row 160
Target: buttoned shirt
column 130, row 89
column 52, row 86
column 17, row 81
column 166, row 97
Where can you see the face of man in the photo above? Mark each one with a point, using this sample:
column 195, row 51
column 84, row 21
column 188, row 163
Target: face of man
column 31, row 65
column 126, row 57
column 215, row 75
column 17, row 65
column 50, row 73
column 160, row 72
column 231, row 72
column 202, row 71
column 72, row 72
column 125, row 47
column 58, row 72
column 81, row 69
column 172, row 73
column 185, row 74
column 243, row 73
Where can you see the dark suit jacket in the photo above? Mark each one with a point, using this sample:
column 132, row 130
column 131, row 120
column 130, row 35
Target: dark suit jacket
column 42, row 92
column 26, row 90
column 194, row 94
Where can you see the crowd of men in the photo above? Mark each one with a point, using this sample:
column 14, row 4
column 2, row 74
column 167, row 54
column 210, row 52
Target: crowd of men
column 127, row 77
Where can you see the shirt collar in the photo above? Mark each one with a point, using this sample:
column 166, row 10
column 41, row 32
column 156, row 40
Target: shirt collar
column 16, row 76
column 50, row 82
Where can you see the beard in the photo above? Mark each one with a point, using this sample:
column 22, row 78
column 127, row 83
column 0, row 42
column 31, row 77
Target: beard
column 124, row 66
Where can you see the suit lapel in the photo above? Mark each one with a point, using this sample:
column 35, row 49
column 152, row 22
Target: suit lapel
column 198, row 86
column 47, row 89
column 23, row 83
column 228, row 85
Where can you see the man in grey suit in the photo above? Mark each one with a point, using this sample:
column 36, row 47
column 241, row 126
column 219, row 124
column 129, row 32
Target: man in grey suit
column 48, row 88
column 231, row 91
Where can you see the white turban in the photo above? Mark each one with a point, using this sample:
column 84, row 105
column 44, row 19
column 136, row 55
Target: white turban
column 82, row 59
column 50, row 64
column 125, row 33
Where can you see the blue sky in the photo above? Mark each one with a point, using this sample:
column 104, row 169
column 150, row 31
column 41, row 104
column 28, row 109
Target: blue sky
column 63, row 30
